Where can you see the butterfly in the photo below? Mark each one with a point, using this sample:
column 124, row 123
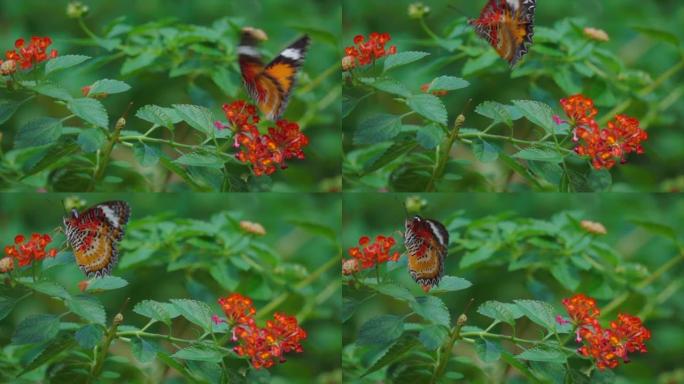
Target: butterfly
column 94, row 235
column 427, row 243
column 270, row 86
column 508, row 26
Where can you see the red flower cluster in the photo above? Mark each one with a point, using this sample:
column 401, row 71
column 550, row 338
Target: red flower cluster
column 264, row 151
column 605, row 345
column 365, row 52
column 34, row 53
column 33, row 250
column 603, row 146
column 265, row 346
column 440, row 92
column 371, row 254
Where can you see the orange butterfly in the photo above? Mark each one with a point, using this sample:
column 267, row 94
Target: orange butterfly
column 508, row 26
column 94, row 235
column 427, row 243
column 270, row 86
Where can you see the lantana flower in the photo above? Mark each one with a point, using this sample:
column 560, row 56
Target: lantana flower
column 26, row 252
column 365, row 51
column 27, row 55
column 369, row 254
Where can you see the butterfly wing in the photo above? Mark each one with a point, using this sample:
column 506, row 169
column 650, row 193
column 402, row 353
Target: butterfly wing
column 508, row 26
column 270, row 86
column 427, row 245
column 94, row 235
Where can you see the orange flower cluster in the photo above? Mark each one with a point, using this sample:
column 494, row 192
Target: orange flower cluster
column 33, row 250
column 264, row 151
column 605, row 345
column 603, row 146
column 264, row 346
column 365, row 52
column 28, row 55
column 371, row 254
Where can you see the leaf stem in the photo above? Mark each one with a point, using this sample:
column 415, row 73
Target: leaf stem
column 443, row 154
column 101, row 351
column 445, row 350
column 103, row 159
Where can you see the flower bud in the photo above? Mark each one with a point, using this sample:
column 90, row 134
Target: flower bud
column 418, row 10
column 350, row 266
column 76, row 9
column 462, row 320
column 596, row 34
column 6, row 264
column 118, row 319
column 252, row 227
column 8, row 67
column 460, row 119
column 593, row 227
column 415, row 204
column 348, row 63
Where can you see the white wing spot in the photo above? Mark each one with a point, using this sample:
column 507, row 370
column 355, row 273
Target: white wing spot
column 436, row 232
column 514, row 4
column 292, row 53
column 247, row 51
column 110, row 215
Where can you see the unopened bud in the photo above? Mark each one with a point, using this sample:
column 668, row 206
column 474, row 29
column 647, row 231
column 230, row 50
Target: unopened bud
column 118, row 319
column 348, row 63
column 460, row 119
column 462, row 320
column 76, row 9
column 120, row 123
column 8, row 67
column 418, row 10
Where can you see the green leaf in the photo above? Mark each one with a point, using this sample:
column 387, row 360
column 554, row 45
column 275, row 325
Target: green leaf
column 315, row 228
column 40, row 131
column 146, row 155
column 196, row 116
column 90, row 140
column 519, row 169
column 488, row 351
column 200, row 160
column 540, row 115
column 656, row 228
column 133, row 64
column 433, row 336
column 543, row 353
column 108, row 86
column 143, row 350
column 64, row 62
column 36, row 329
column 7, row 109
column 155, row 310
column 62, row 343
column 480, row 63
column 500, row 311
column 428, row 106
column 394, row 291
column 226, row 275
column 377, row 128
column 432, row 309
column 451, row 284
column 199, row 354
column 50, row 288
column 566, row 275
column 566, row 81
column 495, row 111
column 194, row 311
column 659, row 34
column 539, row 312
column 56, row 153
column 87, row 307
column 387, row 85
column 539, row 154
column 403, row 58
column 90, row 110
column 53, row 90
column 166, row 359
column 381, row 330
column 348, row 105
column 430, row 136
column 393, row 353
column 89, row 336
column 391, row 154
column 6, row 306
column 182, row 173
column 481, row 254
column 165, row 117
column 447, row 83
column 484, row 151
column 106, row 283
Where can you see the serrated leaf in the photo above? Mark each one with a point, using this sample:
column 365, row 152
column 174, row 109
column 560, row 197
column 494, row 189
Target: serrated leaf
column 6, row 306
column 430, row 136
column 377, row 128
column 451, row 284
column 394, row 291
column 7, row 109
column 500, row 311
column 146, row 155
column 169, row 361
column 393, row 353
column 495, row 111
column 40, row 131
column 53, row 90
column 156, row 311
column 381, row 330
column 90, row 110
column 133, row 64
column 196, row 116
column 165, row 117
column 226, row 275
column 488, row 351
column 194, row 311
column 485, row 252
column 62, row 343
column 540, row 115
column 542, row 353
column 36, row 329
column 90, row 140
column 348, row 105
column 391, row 154
column 428, row 106
column 484, row 151
column 200, row 160
column 447, row 83
column 50, row 288
column 87, row 307
column 106, row 283
column 539, row 312
column 199, row 354
column 566, row 275
column 108, row 86
column 64, row 62
column 387, row 85
column 433, row 336
column 539, row 154
column 56, row 153
column 403, row 58
column 143, row 350
column 432, row 309
column 89, row 336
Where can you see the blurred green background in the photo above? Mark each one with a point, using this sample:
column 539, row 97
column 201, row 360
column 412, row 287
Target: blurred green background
column 293, row 223
column 659, row 169
column 283, row 22
column 375, row 214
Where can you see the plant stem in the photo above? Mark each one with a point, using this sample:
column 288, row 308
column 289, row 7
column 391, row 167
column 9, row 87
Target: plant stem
column 445, row 351
column 377, row 273
column 443, row 154
column 163, row 337
column 106, row 153
column 101, row 351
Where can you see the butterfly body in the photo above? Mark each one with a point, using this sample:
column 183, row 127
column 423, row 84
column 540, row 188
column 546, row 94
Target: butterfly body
column 270, row 86
column 94, row 235
column 508, row 26
column 427, row 243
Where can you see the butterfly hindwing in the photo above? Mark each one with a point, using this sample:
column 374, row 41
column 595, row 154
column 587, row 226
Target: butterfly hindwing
column 427, row 243
column 270, row 86
column 94, row 235
column 508, row 26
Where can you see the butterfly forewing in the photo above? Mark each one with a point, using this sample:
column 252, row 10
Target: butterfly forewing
column 94, row 235
column 427, row 243
column 271, row 86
